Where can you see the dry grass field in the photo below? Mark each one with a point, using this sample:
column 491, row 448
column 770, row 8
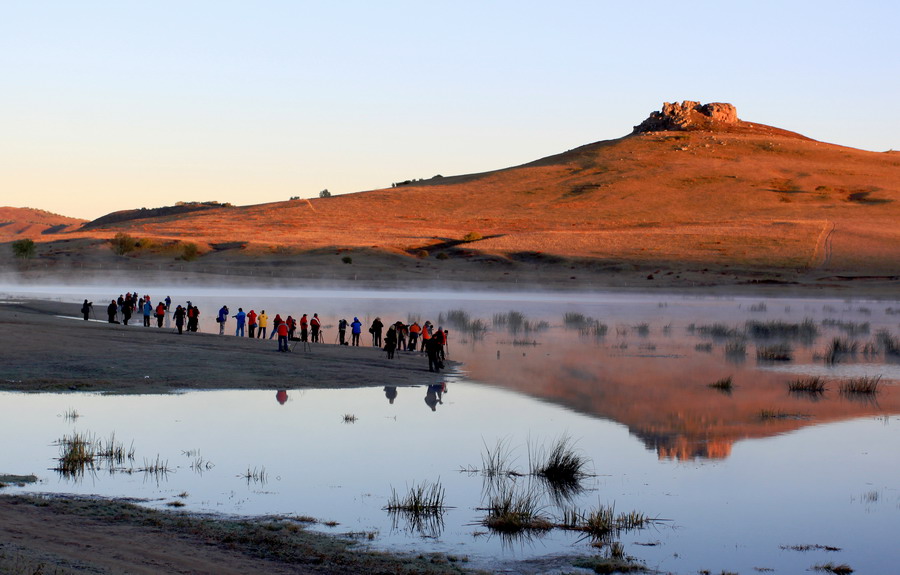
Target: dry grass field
column 742, row 200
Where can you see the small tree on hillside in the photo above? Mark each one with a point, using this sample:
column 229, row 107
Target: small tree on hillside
column 23, row 248
column 325, row 193
column 123, row 243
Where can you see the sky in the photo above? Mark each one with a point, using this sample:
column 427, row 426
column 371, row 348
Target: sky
column 108, row 106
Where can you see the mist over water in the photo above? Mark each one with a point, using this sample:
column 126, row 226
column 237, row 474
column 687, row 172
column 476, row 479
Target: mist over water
column 636, row 401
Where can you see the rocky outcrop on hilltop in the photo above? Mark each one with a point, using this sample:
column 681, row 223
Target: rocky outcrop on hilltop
column 687, row 116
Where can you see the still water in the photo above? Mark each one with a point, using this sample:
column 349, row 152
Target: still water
column 736, row 475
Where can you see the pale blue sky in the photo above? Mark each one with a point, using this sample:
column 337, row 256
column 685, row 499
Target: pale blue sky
column 116, row 105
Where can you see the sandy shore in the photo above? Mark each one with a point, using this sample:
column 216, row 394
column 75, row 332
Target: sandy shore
column 46, row 346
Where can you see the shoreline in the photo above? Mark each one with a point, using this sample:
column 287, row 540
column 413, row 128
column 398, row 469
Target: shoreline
column 42, row 352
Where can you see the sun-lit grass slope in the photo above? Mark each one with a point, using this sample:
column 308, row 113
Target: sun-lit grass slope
column 19, row 223
column 746, row 195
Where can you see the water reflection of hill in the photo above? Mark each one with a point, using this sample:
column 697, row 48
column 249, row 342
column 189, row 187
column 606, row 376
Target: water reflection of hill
column 661, row 392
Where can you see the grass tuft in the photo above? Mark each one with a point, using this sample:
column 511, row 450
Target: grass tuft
column 865, row 385
column 777, row 352
column 725, row 384
column 812, row 384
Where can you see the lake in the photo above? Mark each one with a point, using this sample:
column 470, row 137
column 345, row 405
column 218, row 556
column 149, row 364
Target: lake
column 735, row 474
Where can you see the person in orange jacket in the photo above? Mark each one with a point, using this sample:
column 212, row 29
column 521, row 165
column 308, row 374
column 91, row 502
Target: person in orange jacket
column 251, row 323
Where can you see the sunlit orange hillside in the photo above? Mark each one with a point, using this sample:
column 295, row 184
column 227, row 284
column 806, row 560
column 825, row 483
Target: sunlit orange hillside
column 692, row 191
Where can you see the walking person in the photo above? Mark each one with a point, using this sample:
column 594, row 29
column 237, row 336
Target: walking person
column 160, row 314
column 355, row 330
column 240, row 317
column 179, row 319
column 263, row 320
column 222, row 318
column 148, row 309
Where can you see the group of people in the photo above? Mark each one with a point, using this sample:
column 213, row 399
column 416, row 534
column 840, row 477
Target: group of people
column 398, row 336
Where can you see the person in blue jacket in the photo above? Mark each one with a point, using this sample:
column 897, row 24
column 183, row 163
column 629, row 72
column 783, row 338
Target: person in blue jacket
column 222, row 318
column 241, row 318
column 355, row 330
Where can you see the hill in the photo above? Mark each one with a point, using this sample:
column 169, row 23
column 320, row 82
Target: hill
column 692, row 196
column 18, row 223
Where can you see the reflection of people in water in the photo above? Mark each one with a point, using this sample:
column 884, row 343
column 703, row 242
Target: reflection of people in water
column 434, row 395
column 390, row 392
column 281, row 396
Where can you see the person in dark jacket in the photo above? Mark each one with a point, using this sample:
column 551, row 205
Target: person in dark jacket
column 433, row 350
column 390, row 341
column 86, row 308
column 179, row 319
column 111, row 310
column 376, row 330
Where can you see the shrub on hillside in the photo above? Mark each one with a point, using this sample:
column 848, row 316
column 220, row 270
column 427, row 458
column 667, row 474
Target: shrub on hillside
column 472, row 237
column 123, row 243
column 23, row 248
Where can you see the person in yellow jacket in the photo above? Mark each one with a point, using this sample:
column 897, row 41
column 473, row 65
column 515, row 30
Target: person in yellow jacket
column 263, row 321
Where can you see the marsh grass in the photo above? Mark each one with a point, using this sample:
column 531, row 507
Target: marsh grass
column 842, row 569
column 462, row 321
column 704, row 347
column 839, row 348
column 71, row 414
column 724, row 385
column 349, row 418
column 603, row 523
column 254, row 475
column 77, row 453
column 497, row 462
column 423, row 499
column 595, row 328
column 561, row 465
column 642, row 329
column 806, row 331
column 851, row 328
column 514, row 510
column 767, row 414
column 155, row 467
column 888, row 343
column 736, row 348
column 776, row 352
column 575, row 320
column 813, row 384
column 715, row 330
column 864, row 385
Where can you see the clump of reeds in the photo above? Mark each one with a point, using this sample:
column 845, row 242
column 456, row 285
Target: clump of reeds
column 561, row 464
column 603, row 522
column 839, row 348
column 725, row 384
column 156, row 466
column 889, row 343
column 759, row 307
column 736, row 347
column 424, row 499
column 704, row 347
column 842, row 569
column 71, row 414
column 777, row 352
column 513, row 321
column 811, row 384
column 113, row 451
column 461, row 320
column 807, row 330
column 256, row 475
column 864, row 385
column 77, row 452
column 642, row 329
column 849, row 327
column 766, row 414
column 575, row 320
column 715, row 330
column 349, row 418
column 497, row 462
column 595, row 328
column 512, row 510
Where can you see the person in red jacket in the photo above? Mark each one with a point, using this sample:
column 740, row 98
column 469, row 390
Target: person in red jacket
column 160, row 313
column 251, row 322
column 314, row 326
column 282, row 331
column 304, row 327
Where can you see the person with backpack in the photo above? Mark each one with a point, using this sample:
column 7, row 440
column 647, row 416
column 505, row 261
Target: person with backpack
column 375, row 330
column 314, row 326
column 222, row 318
column 179, row 319
column 355, row 330
column 148, row 309
column 342, row 331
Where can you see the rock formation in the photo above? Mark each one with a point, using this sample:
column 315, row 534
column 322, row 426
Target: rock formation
column 689, row 115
